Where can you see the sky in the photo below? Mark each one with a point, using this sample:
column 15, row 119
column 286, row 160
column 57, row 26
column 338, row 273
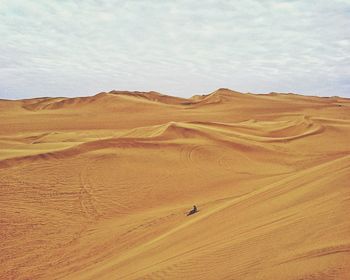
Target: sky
column 177, row 47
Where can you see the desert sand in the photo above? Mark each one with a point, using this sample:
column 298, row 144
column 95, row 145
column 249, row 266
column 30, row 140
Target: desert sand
column 99, row 187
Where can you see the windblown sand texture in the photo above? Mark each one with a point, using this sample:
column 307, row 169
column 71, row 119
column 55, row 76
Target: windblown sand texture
column 98, row 187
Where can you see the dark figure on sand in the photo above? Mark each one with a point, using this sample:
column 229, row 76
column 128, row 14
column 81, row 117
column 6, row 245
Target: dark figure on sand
column 193, row 211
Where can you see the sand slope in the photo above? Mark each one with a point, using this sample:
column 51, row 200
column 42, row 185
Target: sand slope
column 98, row 187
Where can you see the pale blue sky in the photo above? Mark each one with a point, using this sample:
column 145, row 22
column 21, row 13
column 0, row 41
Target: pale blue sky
column 178, row 47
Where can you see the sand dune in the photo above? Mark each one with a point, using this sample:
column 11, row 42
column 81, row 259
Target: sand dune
column 98, row 187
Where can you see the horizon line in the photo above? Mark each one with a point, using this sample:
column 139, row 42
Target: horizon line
column 115, row 91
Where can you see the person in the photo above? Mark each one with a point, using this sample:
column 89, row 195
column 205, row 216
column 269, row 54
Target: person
column 194, row 210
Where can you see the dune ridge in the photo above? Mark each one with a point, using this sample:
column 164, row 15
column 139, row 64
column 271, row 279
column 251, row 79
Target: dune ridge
column 98, row 187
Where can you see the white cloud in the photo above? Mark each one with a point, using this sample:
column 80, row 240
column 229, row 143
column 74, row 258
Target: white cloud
column 179, row 47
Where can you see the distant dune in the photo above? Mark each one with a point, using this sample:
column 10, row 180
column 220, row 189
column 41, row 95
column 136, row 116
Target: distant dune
column 98, row 187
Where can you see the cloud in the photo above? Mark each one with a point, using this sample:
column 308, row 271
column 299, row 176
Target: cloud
column 183, row 47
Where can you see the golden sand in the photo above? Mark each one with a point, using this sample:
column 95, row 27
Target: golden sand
column 98, row 187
